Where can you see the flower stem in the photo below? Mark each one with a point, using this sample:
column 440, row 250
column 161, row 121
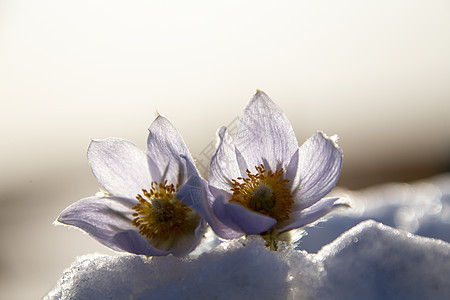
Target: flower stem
column 271, row 238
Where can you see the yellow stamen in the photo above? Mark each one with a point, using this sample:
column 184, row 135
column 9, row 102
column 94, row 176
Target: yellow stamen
column 162, row 215
column 264, row 192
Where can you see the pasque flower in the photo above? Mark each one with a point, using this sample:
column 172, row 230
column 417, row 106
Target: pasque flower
column 141, row 211
column 264, row 181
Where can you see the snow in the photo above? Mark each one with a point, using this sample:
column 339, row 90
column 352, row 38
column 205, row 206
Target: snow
column 374, row 261
column 421, row 208
column 348, row 257
column 371, row 261
column 214, row 275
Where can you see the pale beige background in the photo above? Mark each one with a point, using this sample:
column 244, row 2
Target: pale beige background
column 375, row 72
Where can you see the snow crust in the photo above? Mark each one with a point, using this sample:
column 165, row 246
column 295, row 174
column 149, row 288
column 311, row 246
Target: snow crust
column 370, row 261
column 421, row 207
column 346, row 257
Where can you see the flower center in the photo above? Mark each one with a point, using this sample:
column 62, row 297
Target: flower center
column 162, row 215
column 264, row 192
column 262, row 198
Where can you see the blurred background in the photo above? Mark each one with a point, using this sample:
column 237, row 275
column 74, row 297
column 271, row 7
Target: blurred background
column 377, row 73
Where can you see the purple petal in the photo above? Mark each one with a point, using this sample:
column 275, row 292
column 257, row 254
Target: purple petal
column 291, row 169
column 119, row 166
column 264, row 135
column 196, row 194
column 164, row 147
column 243, row 166
column 320, row 161
column 101, row 217
column 187, row 242
column 132, row 242
column 311, row 214
column 240, row 218
column 180, row 244
column 224, row 165
column 108, row 220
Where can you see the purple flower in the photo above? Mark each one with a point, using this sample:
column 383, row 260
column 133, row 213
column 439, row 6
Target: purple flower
column 263, row 181
column 141, row 212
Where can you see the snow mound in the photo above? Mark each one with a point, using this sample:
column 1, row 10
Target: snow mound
column 374, row 261
column 421, row 207
column 228, row 270
column 370, row 261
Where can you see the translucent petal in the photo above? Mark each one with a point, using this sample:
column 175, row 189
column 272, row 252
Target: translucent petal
column 291, row 170
column 164, row 147
column 119, row 166
column 264, row 135
column 243, row 166
column 320, row 161
column 224, row 166
column 311, row 214
column 101, row 217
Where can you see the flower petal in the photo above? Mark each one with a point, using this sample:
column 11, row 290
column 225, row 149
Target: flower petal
column 196, row 194
column 119, row 166
column 291, row 170
column 240, row 218
column 311, row 214
column 224, row 165
column 189, row 240
column 320, row 161
column 181, row 243
column 132, row 242
column 164, row 147
column 100, row 217
column 108, row 220
column 264, row 134
column 243, row 166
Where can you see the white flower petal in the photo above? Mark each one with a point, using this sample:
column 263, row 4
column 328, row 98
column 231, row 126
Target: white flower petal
column 291, row 170
column 264, row 135
column 320, row 161
column 119, row 166
column 311, row 214
column 224, row 166
column 243, row 167
column 100, row 217
column 164, row 147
